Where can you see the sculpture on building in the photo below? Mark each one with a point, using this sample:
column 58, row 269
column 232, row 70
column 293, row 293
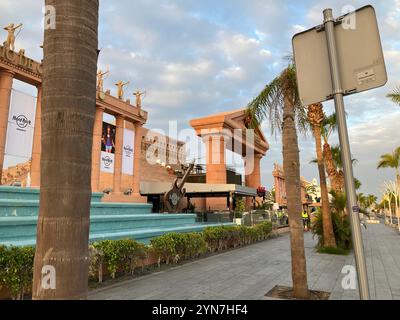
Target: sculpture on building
column 138, row 96
column 120, row 92
column 100, row 79
column 10, row 42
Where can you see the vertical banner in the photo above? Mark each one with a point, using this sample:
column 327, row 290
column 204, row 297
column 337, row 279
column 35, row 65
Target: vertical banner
column 128, row 153
column 21, row 124
column 107, row 161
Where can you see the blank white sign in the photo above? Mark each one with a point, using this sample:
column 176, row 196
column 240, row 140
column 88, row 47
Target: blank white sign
column 360, row 54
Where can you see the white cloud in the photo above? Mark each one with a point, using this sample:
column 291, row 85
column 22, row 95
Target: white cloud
column 193, row 62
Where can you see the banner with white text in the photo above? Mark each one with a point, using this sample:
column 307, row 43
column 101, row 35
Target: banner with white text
column 21, row 124
column 107, row 162
column 128, row 152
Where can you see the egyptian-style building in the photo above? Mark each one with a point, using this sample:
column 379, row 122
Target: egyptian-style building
column 229, row 131
column 128, row 189
column 127, row 117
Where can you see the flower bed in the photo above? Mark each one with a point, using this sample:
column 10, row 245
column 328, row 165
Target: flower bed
column 123, row 257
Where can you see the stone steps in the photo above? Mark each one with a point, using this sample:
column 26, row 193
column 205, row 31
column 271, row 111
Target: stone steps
column 27, row 208
column 25, row 227
column 19, row 209
column 142, row 235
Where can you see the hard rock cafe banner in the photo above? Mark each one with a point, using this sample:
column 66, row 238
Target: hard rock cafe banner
column 21, row 124
column 128, row 152
column 107, row 162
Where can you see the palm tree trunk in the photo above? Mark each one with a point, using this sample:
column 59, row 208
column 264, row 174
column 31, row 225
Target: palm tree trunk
column 398, row 177
column 329, row 236
column 291, row 166
column 336, row 179
column 68, row 110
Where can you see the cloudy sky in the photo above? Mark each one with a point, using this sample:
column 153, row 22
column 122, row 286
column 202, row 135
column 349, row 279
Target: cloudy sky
column 197, row 57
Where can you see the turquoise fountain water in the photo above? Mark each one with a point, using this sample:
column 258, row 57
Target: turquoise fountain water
column 19, row 208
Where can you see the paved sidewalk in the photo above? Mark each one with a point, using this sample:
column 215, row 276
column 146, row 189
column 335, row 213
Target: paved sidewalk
column 250, row 272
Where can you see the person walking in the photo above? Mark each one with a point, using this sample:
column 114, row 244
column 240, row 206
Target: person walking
column 306, row 220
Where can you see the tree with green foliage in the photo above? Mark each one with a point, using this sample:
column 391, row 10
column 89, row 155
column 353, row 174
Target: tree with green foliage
column 316, row 117
column 279, row 102
column 395, row 96
column 391, row 160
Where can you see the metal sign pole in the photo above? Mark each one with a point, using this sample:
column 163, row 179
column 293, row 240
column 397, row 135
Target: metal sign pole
column 352, row 204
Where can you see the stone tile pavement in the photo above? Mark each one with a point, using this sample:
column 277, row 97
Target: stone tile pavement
column 249, row 273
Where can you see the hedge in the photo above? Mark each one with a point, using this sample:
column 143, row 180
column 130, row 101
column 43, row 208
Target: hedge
column 16, row 270
column 124, row 256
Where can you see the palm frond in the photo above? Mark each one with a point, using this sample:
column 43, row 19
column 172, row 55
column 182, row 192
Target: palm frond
column 390, row 160
column 267, row 106
column 337, row 157
column 395, row 96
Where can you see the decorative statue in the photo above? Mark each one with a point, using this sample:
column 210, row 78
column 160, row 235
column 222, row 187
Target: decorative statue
column 100, row 79
column 10, row 42
column 120, row 93
column 138, row 95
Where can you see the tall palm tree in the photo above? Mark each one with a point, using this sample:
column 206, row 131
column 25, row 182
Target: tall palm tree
column 316, row 117
column 69, row 104
column 391, row 161
column 280, row 103
column 393, row 190
column 387, row 197
column 395, row 96
column 372, row 200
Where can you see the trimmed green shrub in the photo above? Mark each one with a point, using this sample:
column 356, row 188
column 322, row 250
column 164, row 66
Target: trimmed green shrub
column 123, row 256
column 222, row 238
column 174, row 247
column 117, row 256
column 16, row 270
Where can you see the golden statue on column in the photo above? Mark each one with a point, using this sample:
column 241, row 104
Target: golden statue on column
column 10, row 42
column 120, row 92
column 100, row 79
column 139, row 95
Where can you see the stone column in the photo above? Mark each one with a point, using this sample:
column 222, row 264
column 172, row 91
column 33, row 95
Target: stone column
column 96, row 149
column 137, row 157
column 277, row 190
column 6, row 81
column 216, row 168
column 253, row 179
column 119, row 144
column 37, row 141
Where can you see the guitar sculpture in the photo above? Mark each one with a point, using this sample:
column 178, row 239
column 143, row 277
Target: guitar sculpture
column 176, row 194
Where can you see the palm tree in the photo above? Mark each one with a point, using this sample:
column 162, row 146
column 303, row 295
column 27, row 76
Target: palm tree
column 391, row 161
column 387, row 197
column 395, row 96
column 316, row 117
column 372, row 200
column 393, row 191
column 357, row 184
column 280, row 103
column 362, row 200
column 69, row 104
